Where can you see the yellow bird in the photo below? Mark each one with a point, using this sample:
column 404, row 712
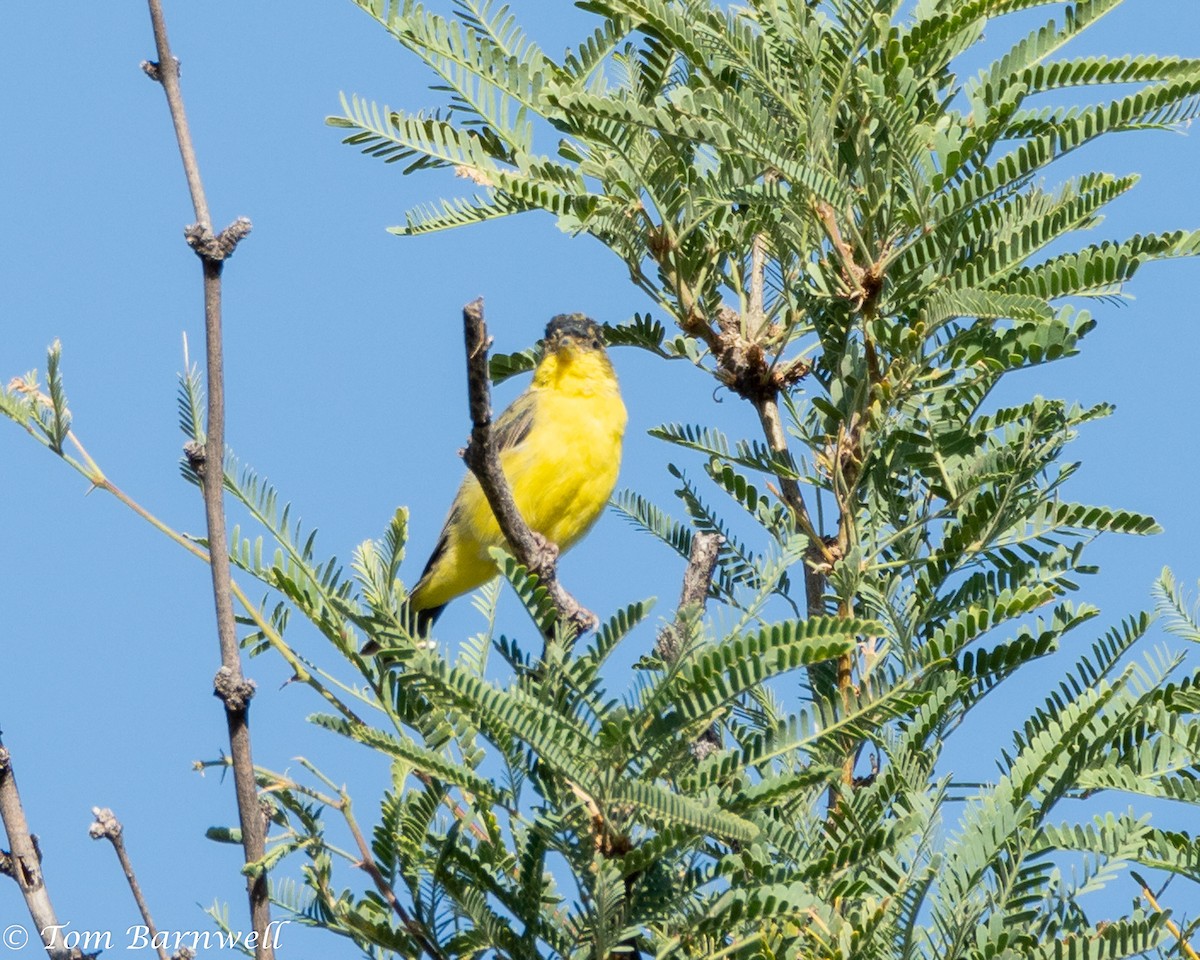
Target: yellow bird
column 560, row 449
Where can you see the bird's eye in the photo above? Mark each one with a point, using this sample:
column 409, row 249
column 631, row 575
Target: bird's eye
column 596, row 344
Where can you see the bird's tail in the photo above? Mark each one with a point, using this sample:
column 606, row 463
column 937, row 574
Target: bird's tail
column 422, row 620
column 419, row 622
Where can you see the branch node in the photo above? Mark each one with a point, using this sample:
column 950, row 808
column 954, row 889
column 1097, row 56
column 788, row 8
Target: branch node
column 233, row 690
column 267, row 808
column 154, row 68
column 708, row 743
column 216, row 249
column 196, row 457
column 234, row 234
column 106, row 825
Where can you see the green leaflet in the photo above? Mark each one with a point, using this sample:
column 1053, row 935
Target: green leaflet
column 674, row 808
column 406, row 749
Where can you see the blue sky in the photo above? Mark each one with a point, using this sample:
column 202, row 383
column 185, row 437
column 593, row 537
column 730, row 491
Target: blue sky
column 345, row 388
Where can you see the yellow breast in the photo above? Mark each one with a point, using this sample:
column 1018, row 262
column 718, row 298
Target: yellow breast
column 561, row 473
column 564, row 472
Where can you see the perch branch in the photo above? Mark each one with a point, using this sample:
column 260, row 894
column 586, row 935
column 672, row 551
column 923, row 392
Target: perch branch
column 23, row 862
column 106, row 826
column 538, row 554
column 230, row 685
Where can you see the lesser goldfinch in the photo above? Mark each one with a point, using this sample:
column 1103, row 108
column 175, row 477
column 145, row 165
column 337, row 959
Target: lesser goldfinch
column 559, row 445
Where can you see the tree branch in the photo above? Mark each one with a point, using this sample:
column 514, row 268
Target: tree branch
column 1184, row 947
column 107, row 826
column 756, row 308
column 23, row 863
column 693, row 598
column 538, row 554
column 818, row 554
column 702, row 561
column 367, row 863
column 230, row 685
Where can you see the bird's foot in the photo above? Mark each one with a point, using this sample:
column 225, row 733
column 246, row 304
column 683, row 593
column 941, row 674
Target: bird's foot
column 545, row 557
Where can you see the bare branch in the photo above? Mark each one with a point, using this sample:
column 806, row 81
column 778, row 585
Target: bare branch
column 537, row 553
column 702, row 561
column 234, row 690
column 24, row 862
column 818, row 555
column 166, row 73
column 371, row 868
column 107, row 826
column 756, row 308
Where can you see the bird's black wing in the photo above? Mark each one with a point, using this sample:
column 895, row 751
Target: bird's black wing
column 514, row 424
column 508, row 431
column 442, row 544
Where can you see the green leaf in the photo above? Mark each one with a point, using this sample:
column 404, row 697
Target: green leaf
column 672, row 808
column 404, row 748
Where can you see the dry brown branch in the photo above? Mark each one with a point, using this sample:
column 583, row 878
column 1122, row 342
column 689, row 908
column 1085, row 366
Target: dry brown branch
column 23, row 863
column 538, row 554
column 702, row 561
column 234, row 690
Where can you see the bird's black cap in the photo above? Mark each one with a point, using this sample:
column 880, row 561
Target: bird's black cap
column 575, row 324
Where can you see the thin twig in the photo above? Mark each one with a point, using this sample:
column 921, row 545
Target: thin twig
column 107, row 826
column 1184, row 947
column 230, row 685
column 166, row 72
column 538, row 554
column 368, row 864
column 24, row 863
